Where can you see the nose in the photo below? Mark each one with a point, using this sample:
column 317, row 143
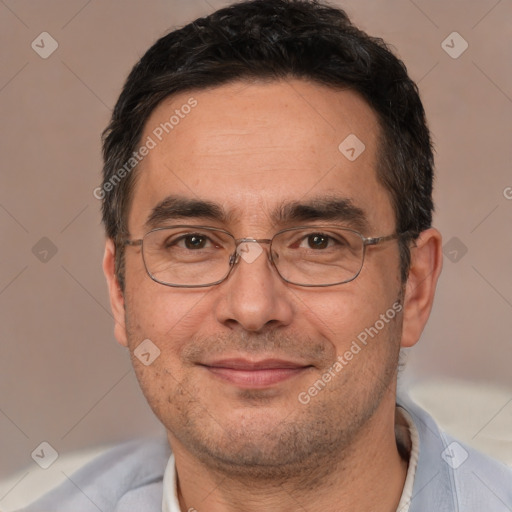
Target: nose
column 254, row 297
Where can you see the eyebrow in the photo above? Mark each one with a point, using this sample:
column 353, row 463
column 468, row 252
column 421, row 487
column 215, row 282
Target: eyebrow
column 323, row 208
column 180, row 207
column 326, row 208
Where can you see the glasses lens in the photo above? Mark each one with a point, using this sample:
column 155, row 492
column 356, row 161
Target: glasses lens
column 187, row 256
column 318, row 256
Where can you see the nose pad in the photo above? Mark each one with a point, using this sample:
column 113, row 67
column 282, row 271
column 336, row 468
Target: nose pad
column 234, row 259
column 249, row 252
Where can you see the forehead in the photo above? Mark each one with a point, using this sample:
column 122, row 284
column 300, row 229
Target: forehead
column 249, row 147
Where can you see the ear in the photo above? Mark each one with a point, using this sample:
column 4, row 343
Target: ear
column 424, row 271
column 115, row 292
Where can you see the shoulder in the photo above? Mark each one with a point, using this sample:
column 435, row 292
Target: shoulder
column 452, row 476
column 130, row 472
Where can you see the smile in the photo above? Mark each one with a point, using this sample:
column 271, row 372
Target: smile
column 255, row 375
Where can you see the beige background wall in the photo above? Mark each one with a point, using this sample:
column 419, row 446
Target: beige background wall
column 63, row 378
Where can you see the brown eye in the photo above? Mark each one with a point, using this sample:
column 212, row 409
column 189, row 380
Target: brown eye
column 194, row 241
column 320, row 241
column 190, row 241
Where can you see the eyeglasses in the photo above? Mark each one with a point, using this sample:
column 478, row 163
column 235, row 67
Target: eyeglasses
column 197, row 256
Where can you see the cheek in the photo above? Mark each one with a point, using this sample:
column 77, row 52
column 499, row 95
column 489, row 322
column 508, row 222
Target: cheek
column 166, row 389
column 344, row 315
column 162, row 312
column 169, row 319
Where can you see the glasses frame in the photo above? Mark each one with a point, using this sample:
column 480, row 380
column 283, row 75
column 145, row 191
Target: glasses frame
column 235, row 257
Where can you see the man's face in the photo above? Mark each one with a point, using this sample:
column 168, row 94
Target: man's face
column 252, row 148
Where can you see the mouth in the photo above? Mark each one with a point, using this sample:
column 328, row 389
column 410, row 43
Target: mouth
column 255, row 374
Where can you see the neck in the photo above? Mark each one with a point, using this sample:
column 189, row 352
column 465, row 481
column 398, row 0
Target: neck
column 367, row 475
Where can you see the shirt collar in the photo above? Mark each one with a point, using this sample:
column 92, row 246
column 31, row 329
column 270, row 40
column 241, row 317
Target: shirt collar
column 407, row 438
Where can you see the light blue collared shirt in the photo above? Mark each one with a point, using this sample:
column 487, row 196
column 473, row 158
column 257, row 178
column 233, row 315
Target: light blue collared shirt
column 449, row 477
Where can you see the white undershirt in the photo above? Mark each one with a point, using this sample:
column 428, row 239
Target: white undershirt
column 170, row 501
column 405, row 500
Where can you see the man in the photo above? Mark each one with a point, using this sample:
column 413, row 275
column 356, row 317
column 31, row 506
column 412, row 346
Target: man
column 267, row 198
